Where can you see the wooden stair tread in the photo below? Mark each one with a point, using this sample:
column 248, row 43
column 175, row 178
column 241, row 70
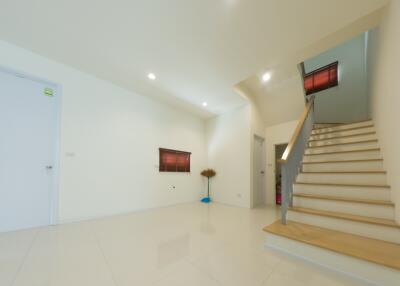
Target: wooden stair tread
column 340, row 137
column 344, row 124
column 370, row 220
column 328, row 123
column 344, row 143
column 344, row 199
column 372, row 250
column 348, row 151
column 339, row 130
column 334, row 125
column 345, row 172
column 343, row 185
column 343, row 161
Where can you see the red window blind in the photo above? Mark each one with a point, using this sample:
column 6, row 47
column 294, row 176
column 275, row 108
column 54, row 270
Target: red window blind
column 321, row 79
column 174, row 161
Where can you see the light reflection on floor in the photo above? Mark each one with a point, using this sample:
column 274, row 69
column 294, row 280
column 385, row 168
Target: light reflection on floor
column 188, row 244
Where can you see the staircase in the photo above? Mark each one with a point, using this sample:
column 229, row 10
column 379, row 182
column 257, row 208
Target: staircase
column 341, row 204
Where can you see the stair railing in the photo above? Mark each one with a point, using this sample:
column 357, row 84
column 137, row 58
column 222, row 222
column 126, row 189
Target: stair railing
column 293, row 155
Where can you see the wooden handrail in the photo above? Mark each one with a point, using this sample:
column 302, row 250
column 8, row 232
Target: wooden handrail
column 297, row 131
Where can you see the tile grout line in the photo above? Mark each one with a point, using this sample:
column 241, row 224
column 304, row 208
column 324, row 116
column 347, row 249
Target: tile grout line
column 25, row 257
column 103, row 254
column 202, row 270
column 270, row 274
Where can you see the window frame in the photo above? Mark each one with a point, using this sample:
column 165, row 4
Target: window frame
column 165, row 168
column 332, row 80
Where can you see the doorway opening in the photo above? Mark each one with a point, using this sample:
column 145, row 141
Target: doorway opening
column 259, row 162
column 279, row 150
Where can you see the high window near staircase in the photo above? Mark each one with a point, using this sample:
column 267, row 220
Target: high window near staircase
column 321, row 79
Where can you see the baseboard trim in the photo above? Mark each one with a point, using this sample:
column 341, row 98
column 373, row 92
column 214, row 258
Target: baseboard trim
column 122, row 213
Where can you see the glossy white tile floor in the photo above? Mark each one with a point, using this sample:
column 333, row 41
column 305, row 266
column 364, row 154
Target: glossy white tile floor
column 190, row 244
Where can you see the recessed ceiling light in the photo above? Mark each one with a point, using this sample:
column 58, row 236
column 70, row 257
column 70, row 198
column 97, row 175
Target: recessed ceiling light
column 266, row 76
column 204, row 104
column 151, row 76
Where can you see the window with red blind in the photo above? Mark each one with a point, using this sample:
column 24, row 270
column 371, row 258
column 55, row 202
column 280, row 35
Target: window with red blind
column 174, row 161
column 321, row 79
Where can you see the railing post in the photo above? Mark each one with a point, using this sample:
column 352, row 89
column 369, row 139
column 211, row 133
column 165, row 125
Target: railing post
column 284, row 199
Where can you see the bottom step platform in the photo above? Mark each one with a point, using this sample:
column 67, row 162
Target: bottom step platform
column 371, row 260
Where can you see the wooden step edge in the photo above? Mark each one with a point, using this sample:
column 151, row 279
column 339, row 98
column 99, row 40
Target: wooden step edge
column 344, row 199
column 344, row 143
column 344, row 136
column 357, row 218
column 339, row 130
column 344, row 152
column 344, row 172
column 344, row 124
column 343, row 161
column 333, row 123
column 344, row 185
column 330, row 125
column 373, row 250
column 327, row 143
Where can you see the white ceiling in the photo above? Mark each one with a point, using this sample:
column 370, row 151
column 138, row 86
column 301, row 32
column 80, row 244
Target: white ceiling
column 198, row 49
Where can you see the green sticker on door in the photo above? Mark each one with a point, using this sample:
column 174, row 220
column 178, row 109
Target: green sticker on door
column 48, row 92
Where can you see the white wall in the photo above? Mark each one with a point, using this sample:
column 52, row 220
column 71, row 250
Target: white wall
column 283, row 102
column 112, row 137
column 347, row 102
column 384, row 87
column 274, row 135
column 228, row 140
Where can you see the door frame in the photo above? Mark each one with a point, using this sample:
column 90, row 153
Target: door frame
column 55, row 183
column 264, row 162
column 275, row 166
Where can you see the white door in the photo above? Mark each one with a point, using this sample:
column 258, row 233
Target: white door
column 258, row 171
column 28, row 130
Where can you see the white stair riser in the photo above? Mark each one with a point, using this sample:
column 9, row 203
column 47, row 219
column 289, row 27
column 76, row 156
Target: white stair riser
column 346, row 147
column 343, row 133
column 343, row 156
column 344, row 166
column 324, row 125
column 367, row 272
column 370, row 193
column 361, row 209
column 357, row 138
column 342, row 127
column 386, row 233
column 343, row 178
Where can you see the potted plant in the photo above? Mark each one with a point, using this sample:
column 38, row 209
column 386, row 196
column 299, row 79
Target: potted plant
column 208, row 173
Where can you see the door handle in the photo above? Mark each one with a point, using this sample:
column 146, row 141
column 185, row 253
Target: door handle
column 262, row 172
column 49, row 167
